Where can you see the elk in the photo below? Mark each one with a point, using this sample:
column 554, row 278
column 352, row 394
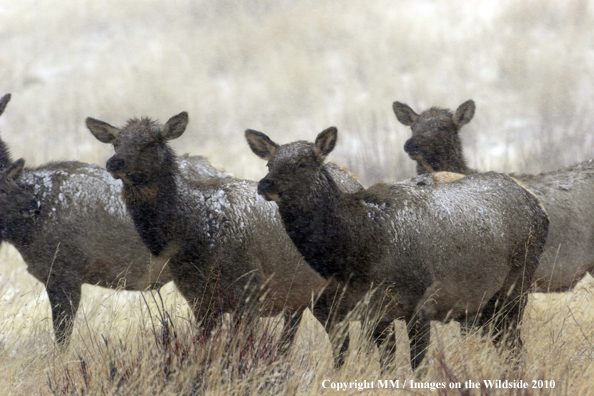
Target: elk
column 69, row 223
column 226, row 245
column 566, row 194
column 441, row 251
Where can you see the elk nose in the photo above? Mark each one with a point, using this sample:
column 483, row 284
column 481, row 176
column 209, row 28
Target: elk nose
column 265, row 186
column 114, row 164
column 411, row 147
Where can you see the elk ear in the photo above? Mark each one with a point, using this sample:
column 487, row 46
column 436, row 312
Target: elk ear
column 404, row 113
column 464, row 113
column 104, row 132
column 3, row 102
column 175, row 127
column 261, row 144
column 14, row 170
column 325, row 143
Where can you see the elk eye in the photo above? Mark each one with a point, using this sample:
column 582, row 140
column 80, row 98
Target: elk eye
column 2, row 191
column 302, row 165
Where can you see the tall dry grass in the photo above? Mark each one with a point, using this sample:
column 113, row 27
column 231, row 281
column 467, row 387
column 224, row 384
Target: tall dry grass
column 290, row 68
column 163, row 353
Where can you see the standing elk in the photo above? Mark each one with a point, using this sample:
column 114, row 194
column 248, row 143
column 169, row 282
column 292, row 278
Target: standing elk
column 442, row 251
column 225, row 244
column 69, row 223
column 566, row 194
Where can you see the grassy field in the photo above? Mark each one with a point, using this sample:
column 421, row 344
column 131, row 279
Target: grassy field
column 289, row 68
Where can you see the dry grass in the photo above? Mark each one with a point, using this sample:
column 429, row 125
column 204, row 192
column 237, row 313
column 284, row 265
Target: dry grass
column 289, row 68
column 124, row 344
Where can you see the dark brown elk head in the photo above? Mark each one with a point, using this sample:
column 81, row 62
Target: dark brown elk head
column 293, row 168
column 141, row 152
column 435, row 140
column 16, row 203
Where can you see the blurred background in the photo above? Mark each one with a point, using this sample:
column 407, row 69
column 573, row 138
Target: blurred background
column 291, row 68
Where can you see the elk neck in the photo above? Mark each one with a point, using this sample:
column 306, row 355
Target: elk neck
column 320, row 230
column 154, row 207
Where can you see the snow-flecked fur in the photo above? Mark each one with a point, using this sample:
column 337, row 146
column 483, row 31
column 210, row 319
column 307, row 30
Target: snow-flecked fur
column 69, row 223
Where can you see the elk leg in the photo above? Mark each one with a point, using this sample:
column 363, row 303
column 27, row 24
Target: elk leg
column 513, row 300
column 340, row 349
column 470, row 324
column 206, row 314
column 338, row 332
column 520, row 279
column 419, row 334
column 292, row 321
column 506, row 323
column 487, row 315
column 64, row 297
column 209, row 322
column 507, row 319
column 385, row 339
column 331, row 315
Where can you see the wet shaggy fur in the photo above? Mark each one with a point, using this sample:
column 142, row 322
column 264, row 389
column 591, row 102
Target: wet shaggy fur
column 227, row 245
column 566, row 194
column 80, row 233
column 69, row 223
column 442, row 251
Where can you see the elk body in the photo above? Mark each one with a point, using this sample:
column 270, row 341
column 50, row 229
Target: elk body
column 226, row 245
column 566, row 194
column 69, row 223
column 442, row 251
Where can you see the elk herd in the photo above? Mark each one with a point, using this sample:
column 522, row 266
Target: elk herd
column 452, row 243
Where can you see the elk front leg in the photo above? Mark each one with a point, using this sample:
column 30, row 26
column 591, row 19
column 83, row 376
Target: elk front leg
column 64, row 298
column 330, row 310
column 385, row 339
column 419, row 335
column 292, row 321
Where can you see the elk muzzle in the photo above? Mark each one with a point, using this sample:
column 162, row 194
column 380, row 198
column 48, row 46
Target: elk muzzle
column 268, row 190
column 411, row 147
column 114, row 166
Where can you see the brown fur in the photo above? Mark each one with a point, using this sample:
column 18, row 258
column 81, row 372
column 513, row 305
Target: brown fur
column 140, row 194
